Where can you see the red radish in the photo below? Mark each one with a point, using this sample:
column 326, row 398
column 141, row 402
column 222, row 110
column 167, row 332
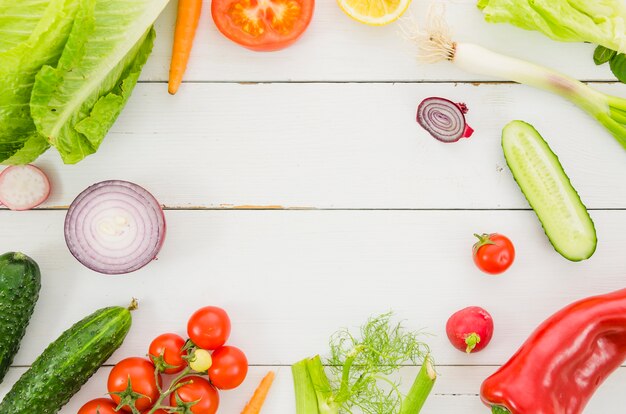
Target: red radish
column 23, row 187
column 470, row 329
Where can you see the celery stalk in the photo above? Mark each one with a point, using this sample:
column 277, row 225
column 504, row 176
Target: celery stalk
column 423, row 384
column 306, row 400
column 325, row 397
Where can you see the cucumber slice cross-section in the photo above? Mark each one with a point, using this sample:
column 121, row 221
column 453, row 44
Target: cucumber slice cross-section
column 549, row 192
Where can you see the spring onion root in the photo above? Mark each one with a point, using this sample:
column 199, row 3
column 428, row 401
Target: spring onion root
column 435, row 44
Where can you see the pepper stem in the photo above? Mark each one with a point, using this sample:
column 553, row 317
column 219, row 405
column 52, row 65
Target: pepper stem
column 471, row 341
column 497, row 409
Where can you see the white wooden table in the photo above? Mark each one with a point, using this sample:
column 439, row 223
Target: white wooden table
column 302, row 196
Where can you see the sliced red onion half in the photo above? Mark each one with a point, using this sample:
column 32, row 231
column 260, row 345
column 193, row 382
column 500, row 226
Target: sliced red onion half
column 444, row 119
column 115, row 227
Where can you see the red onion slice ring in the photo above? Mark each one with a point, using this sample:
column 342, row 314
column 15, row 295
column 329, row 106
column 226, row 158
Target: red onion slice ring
column 444, row 119
column 115, row 227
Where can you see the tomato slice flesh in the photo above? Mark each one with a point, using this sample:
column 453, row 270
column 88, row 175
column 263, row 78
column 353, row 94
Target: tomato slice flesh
column 263, row 24
column 254, row 16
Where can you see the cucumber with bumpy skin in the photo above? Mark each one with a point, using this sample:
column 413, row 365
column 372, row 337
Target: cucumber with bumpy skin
column 20, row 282
column 59, row 372
column 549, row 192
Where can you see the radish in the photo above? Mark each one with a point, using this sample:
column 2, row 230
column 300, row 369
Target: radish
column 23, row 187
column 470, row 329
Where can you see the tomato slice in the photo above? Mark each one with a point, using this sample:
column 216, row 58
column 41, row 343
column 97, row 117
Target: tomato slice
column 262, row 25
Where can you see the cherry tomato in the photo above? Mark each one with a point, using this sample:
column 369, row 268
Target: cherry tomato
column 170, row 347
column 209, row 327
column 140, row 372
column 229, row 369
column 99, row 406
column 493, row 253
column 201, row 360
column 199, row 390
column 263, row 25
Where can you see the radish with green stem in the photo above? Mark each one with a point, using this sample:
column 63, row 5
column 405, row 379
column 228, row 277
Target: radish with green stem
column 436, row 44
column 470, row 329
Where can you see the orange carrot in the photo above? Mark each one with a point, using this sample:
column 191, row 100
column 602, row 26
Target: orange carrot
column 256, row 402
column 186, row 25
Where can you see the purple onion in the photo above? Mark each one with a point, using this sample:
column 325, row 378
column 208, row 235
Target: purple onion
column 115, row 227
column 444, row 119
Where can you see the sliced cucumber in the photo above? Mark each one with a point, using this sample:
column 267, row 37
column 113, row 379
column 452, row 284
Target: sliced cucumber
column 549, row 191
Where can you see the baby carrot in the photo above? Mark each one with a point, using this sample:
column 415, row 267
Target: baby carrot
column 186, row 25
column 257, row 400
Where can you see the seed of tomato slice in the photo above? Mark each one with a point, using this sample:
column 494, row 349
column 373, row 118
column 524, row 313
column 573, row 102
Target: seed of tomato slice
column 262, row 25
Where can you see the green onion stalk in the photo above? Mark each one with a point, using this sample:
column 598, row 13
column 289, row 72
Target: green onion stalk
column 356, row 377
column 436, row 44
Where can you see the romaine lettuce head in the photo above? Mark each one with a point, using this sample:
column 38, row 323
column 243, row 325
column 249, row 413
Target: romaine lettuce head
column 75, row 103
column 32, row 34
column 602, row 22
column 67, row 68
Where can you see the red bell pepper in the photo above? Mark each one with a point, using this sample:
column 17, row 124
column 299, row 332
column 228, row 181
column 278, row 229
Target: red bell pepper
column 559, row 367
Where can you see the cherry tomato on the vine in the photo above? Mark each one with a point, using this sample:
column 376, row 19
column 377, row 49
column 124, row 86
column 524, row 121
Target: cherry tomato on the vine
column 200, row 390
column 99, row 406
column 262, row 25
column 493, row 253
column 140, row 373
column 200, row 360
column 169, row 347
column 229, row 369
column 209, row 327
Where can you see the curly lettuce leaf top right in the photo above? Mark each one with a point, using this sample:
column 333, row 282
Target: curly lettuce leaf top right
column 601, row 22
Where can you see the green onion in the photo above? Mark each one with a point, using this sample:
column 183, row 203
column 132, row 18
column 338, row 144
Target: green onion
column 436, row 44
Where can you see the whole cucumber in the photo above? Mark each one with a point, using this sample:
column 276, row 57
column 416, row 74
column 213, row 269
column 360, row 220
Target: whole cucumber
column 20, row 282
column 68, row 363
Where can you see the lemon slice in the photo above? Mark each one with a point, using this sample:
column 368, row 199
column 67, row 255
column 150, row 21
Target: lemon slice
column 374, row 12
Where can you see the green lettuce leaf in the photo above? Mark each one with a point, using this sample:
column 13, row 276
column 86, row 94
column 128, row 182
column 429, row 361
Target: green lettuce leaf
column 602, row 22
column 75, row 103
column 32, row 34
column 602, row 55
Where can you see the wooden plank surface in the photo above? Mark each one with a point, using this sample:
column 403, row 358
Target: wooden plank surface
column 336, row 48
column 455, row 390
column 337, row 146
column 303, row 197
column 292, row 278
